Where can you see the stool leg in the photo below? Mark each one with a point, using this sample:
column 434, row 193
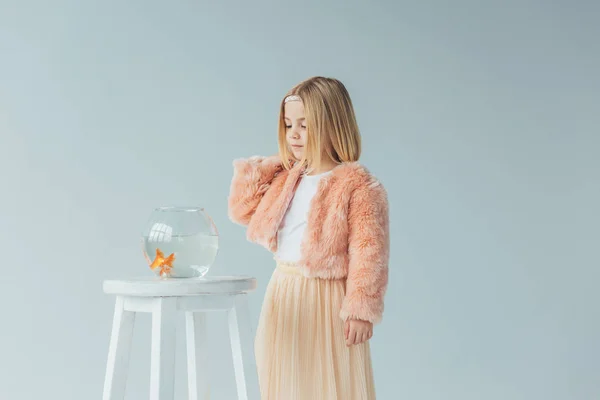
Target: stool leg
column 162, row 362
column 242, row 347
column 197, row 355
column 118, row 352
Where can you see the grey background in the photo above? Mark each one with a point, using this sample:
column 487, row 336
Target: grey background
column 481, row 118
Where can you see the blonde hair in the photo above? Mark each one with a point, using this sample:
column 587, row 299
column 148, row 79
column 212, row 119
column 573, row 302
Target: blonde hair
column 331, row 123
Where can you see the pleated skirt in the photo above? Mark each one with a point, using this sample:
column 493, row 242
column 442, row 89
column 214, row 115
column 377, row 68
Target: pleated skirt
column 300, row 348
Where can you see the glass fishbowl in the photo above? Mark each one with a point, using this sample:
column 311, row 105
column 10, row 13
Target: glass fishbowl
column 180, row 242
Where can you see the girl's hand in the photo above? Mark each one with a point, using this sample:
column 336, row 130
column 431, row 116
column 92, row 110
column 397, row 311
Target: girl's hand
column 357, row 331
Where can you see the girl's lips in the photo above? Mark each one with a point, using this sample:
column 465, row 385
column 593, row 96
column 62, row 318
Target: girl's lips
column 297, row 146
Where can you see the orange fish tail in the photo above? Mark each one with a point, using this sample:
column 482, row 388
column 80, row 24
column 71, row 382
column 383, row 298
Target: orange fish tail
column 169, row 260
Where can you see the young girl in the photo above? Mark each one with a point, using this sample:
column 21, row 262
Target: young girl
column 325, row 219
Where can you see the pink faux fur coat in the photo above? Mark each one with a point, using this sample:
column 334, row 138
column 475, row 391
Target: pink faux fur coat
column 347, row 233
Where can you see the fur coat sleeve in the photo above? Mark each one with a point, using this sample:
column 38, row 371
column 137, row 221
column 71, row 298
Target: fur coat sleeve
column 368, row 253
column 251, row 179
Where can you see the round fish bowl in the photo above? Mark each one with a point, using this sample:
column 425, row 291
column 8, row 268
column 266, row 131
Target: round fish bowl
column 180, row 242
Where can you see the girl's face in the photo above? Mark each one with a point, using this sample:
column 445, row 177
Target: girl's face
column 295, row 127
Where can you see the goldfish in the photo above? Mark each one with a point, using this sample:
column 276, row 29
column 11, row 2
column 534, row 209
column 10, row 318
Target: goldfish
column 165, row 264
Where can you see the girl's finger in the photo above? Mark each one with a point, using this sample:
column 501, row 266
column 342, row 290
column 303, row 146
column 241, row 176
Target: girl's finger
column 346, row 329
column 352, row 337
column 348, row 336
column 359, row 337
column 365, row 336
column 370, row 334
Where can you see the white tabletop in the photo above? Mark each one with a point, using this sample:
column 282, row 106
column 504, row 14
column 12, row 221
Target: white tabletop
column 155, row 286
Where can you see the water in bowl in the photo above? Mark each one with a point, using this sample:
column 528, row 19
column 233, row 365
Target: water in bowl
column 194, row 254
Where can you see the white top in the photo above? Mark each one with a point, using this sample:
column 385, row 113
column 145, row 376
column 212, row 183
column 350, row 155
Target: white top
column 293, row 225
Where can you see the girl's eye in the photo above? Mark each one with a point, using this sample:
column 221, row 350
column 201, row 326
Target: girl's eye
column 289, row 126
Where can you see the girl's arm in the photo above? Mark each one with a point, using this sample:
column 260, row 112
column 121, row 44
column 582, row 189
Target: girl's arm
column 251, row 179
column 369, row 243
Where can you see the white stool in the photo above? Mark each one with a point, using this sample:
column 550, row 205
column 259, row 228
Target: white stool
column 163, row 298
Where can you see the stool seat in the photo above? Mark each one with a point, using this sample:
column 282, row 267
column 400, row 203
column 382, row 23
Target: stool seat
column 155, row 286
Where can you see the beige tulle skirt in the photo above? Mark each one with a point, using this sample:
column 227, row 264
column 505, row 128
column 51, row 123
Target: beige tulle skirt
column 300, row 347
